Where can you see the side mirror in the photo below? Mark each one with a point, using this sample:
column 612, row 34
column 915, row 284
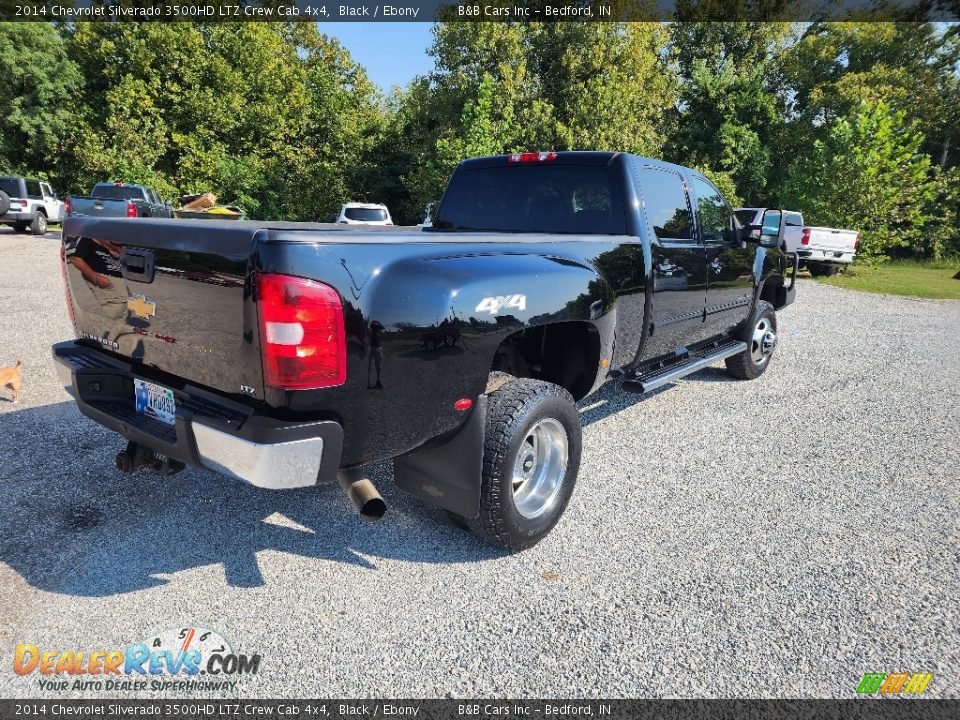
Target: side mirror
column 769, row 233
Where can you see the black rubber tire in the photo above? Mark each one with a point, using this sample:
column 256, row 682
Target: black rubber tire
column 822, row 269
column 742, row 366
column 511, row 411
column 4, row 202
column 39, row 224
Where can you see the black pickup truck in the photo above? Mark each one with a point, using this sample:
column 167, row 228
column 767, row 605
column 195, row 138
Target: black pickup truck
column 289, row 354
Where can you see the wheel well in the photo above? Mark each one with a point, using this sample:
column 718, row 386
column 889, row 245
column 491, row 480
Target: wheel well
column 566, row 353
column 42, row 211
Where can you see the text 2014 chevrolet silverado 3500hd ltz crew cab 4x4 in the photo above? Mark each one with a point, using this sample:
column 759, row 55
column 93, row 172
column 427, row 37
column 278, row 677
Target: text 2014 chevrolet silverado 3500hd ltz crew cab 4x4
column 289, row 354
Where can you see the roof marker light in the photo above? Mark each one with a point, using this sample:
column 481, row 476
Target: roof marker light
column 531, row 157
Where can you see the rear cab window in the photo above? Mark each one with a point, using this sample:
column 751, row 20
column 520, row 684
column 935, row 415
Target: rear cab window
column 365, row 214
column 11, row 186
column 534, row 197
column 117, row 192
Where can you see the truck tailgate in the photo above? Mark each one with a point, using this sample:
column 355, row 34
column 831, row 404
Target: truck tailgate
column 169, row 300
column 95, row 207
column 832, row 239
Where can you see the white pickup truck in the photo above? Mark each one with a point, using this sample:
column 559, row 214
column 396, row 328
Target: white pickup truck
column 823, row 250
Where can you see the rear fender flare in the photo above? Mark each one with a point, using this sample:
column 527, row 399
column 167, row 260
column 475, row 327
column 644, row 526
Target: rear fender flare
column 492, row 296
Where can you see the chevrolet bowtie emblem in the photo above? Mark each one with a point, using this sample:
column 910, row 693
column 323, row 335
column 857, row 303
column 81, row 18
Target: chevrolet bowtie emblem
column 140, row 307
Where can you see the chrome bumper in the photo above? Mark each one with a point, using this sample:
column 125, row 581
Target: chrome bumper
column 210, row 431
column 277, row 466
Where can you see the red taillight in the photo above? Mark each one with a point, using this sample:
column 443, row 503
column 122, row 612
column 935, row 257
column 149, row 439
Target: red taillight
column 805, row 237
column 66, row 283
column 856, row 243
column 67, row 207
column 302, row 336
column 530, row 157
column 23, row 203
column 131, row 209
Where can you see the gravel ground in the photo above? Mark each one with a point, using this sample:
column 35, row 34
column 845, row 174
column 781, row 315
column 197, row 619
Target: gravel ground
column 775, row 538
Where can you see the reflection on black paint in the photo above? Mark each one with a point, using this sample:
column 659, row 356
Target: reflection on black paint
column 376, row 355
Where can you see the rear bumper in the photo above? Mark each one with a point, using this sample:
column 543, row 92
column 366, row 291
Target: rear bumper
column 210, row 431
column 16, row 217
column 838, row 257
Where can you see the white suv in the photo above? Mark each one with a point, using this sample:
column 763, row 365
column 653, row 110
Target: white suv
column 29, row 204
column 364, row 214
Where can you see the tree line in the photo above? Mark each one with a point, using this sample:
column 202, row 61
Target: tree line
column 854, row 124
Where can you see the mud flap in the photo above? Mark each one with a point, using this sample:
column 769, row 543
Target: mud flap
column 449, row 475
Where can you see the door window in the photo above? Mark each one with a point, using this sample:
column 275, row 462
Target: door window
column 33, row 190
column 665, row 202
column 712, row 212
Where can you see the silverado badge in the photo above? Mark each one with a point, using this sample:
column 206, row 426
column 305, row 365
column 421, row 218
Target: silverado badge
column 140, row 307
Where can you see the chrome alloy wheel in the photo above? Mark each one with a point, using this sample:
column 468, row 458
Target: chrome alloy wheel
column 763, row 342
column 539, row 468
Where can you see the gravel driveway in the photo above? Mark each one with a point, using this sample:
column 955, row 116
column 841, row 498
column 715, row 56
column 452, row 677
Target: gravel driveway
column 771, row 538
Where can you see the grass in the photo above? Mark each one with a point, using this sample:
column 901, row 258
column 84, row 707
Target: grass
column 928, row 279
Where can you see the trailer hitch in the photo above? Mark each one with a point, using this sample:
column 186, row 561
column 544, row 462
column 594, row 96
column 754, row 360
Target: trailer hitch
column 137, row 457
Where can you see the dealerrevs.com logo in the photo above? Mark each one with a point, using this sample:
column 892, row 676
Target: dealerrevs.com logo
column 177, row 659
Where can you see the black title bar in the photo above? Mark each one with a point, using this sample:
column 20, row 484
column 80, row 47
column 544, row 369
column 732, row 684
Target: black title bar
column 477, row 11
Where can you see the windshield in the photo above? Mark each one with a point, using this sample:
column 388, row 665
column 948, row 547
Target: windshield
column 117, row 192
column 534, row 198
column 11, row 186
column 366, row 214
column 745, row 217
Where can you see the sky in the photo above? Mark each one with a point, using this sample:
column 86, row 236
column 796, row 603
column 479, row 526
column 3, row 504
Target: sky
column 392, row 52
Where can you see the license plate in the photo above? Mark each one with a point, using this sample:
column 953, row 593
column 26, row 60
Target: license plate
column 155, row 401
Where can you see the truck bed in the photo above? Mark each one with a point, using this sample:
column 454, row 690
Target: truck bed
column 175, row 295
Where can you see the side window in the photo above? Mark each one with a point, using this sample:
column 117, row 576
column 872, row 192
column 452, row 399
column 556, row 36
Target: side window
column 33, row 190
column 712, row 212
column 665, row 201
column 794, row 220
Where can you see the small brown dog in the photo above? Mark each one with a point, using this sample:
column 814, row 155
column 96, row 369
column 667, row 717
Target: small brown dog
column 10, row 379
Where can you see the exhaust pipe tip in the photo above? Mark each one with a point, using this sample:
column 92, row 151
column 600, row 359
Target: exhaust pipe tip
column 373, row 509
column 363, row 494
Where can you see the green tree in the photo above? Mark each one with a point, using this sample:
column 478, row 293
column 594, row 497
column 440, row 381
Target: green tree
column 869, row 174
column 729, row 108
column 274, row 117
column 506, row 87
column 910, row 66
column 36, row 106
